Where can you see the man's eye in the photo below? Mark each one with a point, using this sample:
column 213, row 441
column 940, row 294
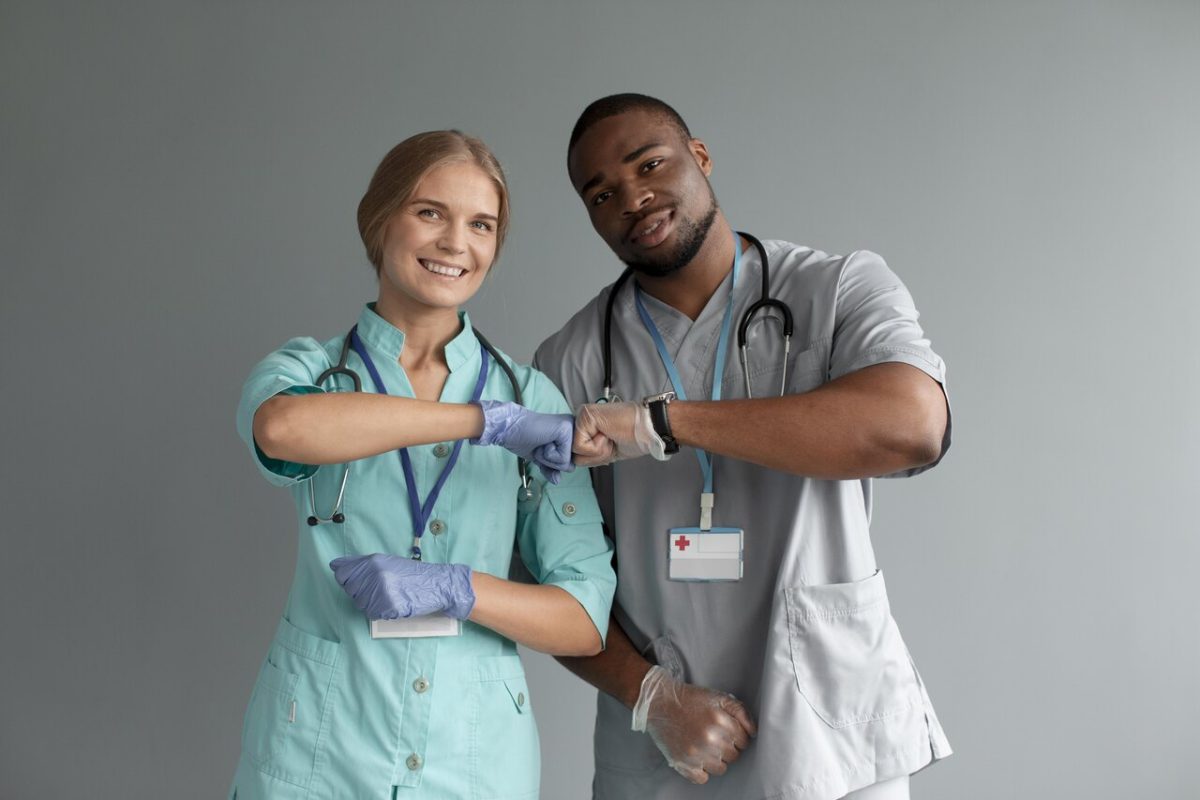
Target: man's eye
column 600, row 198
column 651, row 164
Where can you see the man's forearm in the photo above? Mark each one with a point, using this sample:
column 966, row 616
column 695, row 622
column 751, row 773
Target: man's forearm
column 875, row 421
column 618, row 671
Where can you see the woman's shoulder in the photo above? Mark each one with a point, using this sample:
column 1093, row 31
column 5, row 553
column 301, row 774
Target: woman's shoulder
column 300, row 355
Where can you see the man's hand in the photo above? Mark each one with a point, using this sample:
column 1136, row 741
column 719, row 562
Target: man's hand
column 606, row 432
column 699, row 731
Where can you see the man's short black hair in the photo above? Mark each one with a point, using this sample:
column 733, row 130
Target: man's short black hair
column 616, row 104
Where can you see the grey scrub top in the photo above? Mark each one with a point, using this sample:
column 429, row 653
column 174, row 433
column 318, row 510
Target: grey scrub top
column 806, row 638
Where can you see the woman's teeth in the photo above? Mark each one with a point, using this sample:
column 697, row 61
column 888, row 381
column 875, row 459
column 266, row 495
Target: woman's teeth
column 442, row 269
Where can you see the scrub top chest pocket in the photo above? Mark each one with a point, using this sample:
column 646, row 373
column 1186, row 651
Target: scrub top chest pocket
column 806, row 369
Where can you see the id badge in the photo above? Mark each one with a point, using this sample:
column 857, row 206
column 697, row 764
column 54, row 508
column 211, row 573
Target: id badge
column 415, row 627
column 699, row 555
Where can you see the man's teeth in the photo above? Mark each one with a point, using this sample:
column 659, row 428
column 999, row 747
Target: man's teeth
column 649, row 229
column 440, row 269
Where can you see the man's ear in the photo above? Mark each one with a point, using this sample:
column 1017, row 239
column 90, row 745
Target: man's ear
column 699, row 151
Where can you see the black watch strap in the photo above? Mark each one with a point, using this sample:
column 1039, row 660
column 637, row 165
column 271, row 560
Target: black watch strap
column 662, row 425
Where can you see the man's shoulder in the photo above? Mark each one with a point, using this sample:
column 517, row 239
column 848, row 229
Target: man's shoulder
column 572, row 357
column 801, row 270
column 800, row 256
column 584, row 329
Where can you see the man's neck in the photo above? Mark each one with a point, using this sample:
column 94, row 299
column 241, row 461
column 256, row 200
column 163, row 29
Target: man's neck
column 689, row 289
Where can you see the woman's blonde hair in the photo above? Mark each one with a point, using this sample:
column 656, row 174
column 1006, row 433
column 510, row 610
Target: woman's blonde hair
column 396, row 178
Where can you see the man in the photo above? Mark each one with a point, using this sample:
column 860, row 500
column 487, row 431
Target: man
column 757, row 646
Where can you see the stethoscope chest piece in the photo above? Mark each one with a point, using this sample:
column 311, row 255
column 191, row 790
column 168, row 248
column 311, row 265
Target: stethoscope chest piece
column 529, row 496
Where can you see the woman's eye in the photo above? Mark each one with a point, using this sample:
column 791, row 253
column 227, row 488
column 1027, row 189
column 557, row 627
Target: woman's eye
column 481, row 225
column 428, row 213
column 600, row 198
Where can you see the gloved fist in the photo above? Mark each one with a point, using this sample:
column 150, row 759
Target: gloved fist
column 390, row 587
column 544, row 439
column 699, row 731
column 606, row 432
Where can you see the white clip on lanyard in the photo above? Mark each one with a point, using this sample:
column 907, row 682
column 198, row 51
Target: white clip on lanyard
column 707, row 498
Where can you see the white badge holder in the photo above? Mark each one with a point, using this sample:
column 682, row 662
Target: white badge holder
column 699, row 555
column 416, row 627
column 704, row 553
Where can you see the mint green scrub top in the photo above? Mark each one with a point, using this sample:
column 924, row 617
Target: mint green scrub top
column 337, row 714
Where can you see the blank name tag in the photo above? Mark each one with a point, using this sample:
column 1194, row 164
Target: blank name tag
column 712, row 555
column 412, row 627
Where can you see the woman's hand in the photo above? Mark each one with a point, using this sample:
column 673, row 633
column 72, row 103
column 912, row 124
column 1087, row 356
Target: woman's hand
column 390, row 587
column 544, row 439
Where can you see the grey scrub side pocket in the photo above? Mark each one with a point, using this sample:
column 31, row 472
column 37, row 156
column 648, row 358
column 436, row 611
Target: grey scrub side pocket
column 288, row 718
column 851, row 664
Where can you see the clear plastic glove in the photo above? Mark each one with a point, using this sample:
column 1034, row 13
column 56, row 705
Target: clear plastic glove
column 390, row 587
column 699, row 731
column 544, row 439
column 606, row 432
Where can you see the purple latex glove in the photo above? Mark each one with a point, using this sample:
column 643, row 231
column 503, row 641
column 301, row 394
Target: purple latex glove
column 544, row 439
column 390, row 587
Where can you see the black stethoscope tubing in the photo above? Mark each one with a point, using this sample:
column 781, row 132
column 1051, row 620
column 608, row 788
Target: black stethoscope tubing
column 764, row 302
column 338, row 517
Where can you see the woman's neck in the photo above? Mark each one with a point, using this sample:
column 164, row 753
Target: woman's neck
column 427, row 331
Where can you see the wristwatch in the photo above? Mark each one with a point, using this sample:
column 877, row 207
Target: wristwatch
column 657, row 405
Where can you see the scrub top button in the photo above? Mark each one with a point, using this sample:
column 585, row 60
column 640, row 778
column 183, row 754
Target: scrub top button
column 568, row 509
column 413, row 762
column 441, row 451
column 437, row 527
column 420, row 685
column 520, row 699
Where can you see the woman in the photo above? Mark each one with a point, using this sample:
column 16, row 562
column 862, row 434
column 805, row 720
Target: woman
column 431, row 702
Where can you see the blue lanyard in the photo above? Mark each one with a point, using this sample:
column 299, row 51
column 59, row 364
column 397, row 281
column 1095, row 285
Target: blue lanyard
column 420, row 512
column 703, row 457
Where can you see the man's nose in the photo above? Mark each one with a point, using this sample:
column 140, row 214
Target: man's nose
column 635, row 198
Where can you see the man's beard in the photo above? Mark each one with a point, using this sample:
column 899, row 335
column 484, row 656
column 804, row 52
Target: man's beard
column 691, row 238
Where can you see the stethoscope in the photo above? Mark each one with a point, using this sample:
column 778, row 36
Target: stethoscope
column 765, row 301
column 338, row 516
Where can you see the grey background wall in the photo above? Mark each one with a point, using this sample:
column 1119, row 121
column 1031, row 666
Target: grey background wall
column 179, row 182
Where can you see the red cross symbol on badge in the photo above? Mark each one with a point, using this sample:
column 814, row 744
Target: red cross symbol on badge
column 682, row 542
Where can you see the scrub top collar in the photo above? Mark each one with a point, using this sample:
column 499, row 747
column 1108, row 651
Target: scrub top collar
column 388, row 340
column 672, row 323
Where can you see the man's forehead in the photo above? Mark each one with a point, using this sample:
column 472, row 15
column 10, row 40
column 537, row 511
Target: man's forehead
column 608, row 142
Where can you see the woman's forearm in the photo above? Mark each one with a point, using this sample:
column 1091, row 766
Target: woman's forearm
column 339, row 427
column 545, row 618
